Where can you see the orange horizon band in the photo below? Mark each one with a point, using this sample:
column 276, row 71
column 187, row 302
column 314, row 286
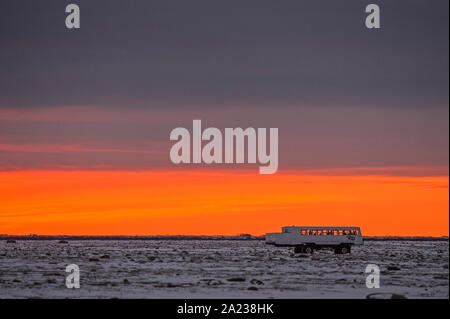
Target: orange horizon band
column 218, row 202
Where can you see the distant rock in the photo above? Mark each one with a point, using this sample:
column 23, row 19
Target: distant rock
column 94, row 259
column 10, row 241
column 252, row 288
column 63, row 242
column 236, row 279
column 256, row 282
column 340, row 281
column 105, row 257
column 395, row 268
column 214, row 282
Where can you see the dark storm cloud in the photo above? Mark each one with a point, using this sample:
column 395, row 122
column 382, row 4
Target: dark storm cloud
column 218, row 53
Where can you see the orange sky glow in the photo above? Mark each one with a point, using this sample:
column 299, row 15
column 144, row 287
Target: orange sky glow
column 168, row 202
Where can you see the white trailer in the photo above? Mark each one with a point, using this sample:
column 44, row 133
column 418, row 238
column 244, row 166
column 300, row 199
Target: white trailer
column 307, row 239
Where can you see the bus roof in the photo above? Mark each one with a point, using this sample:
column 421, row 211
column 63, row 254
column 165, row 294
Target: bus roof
column 320, row 227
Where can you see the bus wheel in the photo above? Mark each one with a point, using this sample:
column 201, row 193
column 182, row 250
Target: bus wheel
column 344, row 249
column 308, row 250
column 298, row 249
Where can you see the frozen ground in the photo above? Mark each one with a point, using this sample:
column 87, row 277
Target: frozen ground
column 218, row 269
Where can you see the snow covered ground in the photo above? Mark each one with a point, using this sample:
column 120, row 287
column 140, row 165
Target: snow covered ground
column 219, row 269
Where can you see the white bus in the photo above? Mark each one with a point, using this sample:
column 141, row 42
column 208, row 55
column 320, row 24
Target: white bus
column 307, row 239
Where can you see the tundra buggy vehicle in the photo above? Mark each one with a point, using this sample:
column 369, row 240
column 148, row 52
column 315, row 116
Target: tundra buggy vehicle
column 308, row 239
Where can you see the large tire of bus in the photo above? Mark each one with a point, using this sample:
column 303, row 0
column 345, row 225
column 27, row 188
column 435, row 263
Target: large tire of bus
column 299, row 249
column 342, row 249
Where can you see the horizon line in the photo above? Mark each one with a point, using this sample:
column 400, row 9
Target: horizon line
column 216, row 235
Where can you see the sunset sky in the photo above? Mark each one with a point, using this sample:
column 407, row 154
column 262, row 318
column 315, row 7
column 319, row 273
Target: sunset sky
column 85, row 116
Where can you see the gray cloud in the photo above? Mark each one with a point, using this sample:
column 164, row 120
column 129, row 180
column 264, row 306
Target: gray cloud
column 309, row 138
column 340, row 94
column 153, row 54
